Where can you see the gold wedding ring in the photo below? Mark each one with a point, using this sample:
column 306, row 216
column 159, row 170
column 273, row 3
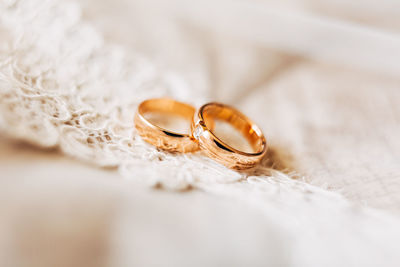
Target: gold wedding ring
column 202, row 130
column 162, row 138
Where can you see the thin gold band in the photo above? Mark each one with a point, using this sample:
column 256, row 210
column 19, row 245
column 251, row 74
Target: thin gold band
column 162, row 138
column 219, row 151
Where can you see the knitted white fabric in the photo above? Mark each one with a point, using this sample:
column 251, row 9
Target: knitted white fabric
column 62, row 85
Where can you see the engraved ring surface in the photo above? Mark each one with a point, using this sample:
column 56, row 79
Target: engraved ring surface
column 163, row 138
column 215, row 148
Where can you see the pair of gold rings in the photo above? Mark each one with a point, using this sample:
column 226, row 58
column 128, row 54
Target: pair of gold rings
column 202, row 136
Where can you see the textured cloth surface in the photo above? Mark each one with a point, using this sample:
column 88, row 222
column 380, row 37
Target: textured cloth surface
column 71, row 76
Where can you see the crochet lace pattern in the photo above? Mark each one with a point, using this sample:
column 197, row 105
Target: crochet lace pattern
column 63, row 86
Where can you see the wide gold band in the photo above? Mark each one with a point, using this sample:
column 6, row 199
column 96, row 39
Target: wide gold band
column 202, row 130
column 162, row 138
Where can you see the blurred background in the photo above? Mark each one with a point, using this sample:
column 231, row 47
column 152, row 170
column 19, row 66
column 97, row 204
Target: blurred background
column 321, row 78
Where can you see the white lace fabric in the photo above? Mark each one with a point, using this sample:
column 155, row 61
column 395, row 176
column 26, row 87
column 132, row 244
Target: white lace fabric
column 62, row 85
